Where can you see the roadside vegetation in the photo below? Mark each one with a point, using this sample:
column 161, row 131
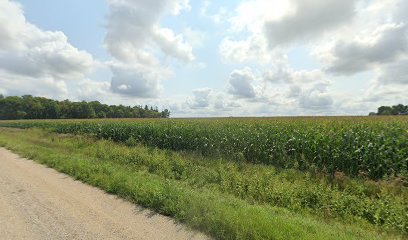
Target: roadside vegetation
column 29, row 107
column 224, row 192
column 376, row 147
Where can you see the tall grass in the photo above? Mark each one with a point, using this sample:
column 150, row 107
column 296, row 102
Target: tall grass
column 225, row 199
column 373, row 146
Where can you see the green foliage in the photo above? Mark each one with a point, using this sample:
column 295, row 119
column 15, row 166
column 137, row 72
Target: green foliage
column 399, row 109
column 372, row 146
column 29, row 107
column 225, row 199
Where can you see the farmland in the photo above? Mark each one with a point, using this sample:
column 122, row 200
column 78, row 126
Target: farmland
column 302, row 171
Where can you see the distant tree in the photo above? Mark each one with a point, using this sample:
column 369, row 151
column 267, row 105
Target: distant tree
column 86, row 110
column 29, row 107
column 101, row 114
column 394, row 110
column 165, row 113
column 9, row 107
column 21, row 114
column 52, row 110
column 384, row 110
column 397, row 109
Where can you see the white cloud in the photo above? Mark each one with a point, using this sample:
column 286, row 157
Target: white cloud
column 308, row 89
column 386, row 94
column 261, row 29
column 222, row 103
column 37, row 62
column 135, row 81
column 282, row 73
column 201, row 98
column 89, row 90
column 204, row 102
column 252, row 49
column 309, row 19
column 385, row 44
column 347, row 37
column 134, row 25
column 136, row 40
column 17, row 85
column 396, row 72
column 26, row 50
column 316, row 97
column 172, row 45
column 285, row 21
column 251, row 15
column 240, row 83
column 281, row 87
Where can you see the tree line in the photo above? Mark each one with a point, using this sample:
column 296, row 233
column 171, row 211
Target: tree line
column 399, row 109
column 29, row 107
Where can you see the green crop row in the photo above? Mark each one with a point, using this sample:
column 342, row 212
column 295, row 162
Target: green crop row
column 376, row 147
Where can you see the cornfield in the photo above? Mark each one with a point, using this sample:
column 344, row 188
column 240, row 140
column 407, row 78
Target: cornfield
column 374, row 146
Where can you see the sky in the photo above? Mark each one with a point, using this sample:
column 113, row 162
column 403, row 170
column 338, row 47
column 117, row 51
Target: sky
column 201, row 58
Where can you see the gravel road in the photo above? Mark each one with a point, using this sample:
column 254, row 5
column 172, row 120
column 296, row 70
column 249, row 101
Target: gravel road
column 37, row 202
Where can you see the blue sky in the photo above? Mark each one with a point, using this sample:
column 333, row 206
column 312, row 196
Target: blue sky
column 210, row 58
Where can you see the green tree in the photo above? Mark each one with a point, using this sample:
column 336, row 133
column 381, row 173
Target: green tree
column 384, row 110
column 29, row 107
column 397, row 109
column 165, row 113
column 101, row 114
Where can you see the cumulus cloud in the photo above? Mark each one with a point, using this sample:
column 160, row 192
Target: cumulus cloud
column 35, row 61
column 316, row 97
column 222, row 103
column 173, row 45
column 135, row 81
column 13, row 84
column 286, row 21
column 309, row 89
column 240, row 83
column 386, row 44
column 285, row 74
column 396, row 72
column 390, row 86
column 26, row 50
column 385, row 94
column 269, row 26
column 89, row 90
column 309, row 19
column 282, row 87
column 136, row 39
column 134, row 25
column 205, row 102
column 201, row 98
column 377, row 37
column 254, row 49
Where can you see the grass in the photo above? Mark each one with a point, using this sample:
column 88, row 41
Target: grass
column 374, row 146
column 224, row 199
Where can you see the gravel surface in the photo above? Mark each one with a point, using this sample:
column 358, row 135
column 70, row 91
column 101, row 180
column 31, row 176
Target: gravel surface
column 37, row 202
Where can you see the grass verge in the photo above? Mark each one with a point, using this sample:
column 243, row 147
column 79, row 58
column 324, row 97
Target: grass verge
column 141, row 175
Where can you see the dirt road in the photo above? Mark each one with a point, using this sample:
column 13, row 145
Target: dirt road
column 39, row 203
